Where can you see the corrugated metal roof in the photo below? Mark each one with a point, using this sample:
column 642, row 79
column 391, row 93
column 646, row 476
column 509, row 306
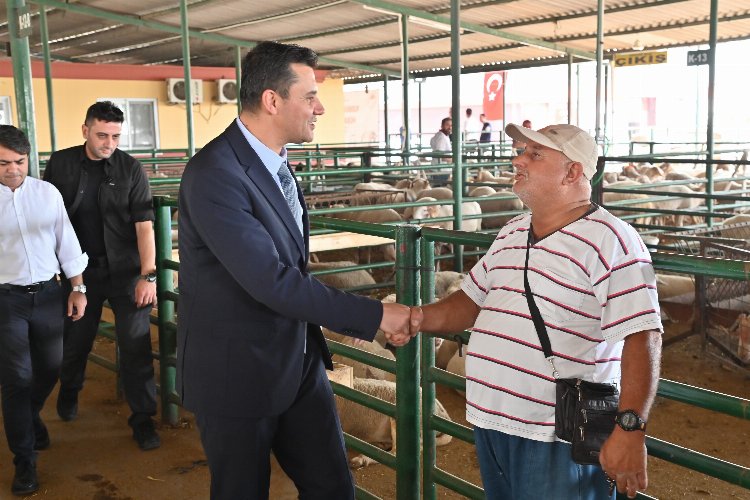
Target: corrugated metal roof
column 347, row 33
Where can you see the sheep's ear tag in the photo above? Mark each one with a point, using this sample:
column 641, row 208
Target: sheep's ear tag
column 460, row 341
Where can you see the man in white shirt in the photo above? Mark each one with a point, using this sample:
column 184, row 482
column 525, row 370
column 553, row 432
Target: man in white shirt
column 590, row 277
column 441, row 143
column 471, row 127
column 38, row 242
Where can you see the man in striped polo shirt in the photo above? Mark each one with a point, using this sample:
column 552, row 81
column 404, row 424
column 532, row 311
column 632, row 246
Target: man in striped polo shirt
column 593, row 282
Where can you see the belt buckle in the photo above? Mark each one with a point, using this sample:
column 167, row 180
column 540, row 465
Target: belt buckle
column 33, row 288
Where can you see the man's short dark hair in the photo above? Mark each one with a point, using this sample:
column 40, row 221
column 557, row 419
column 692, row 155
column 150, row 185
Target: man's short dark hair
column 468, row 111
column 14, row 139
column 267, row 67
column 445, row 120
column 105, row 111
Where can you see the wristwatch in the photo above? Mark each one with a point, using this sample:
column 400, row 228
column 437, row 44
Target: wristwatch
column 80, row 288
column 150, row 277
column 629, row 420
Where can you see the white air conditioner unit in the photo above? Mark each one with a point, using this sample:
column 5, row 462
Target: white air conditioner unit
column 176, row 90
column 226, row 90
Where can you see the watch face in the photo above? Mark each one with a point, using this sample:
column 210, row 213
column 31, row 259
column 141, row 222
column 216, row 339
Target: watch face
column 628, row 420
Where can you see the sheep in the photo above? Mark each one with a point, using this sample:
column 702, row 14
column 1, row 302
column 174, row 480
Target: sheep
column 676, row 203
column 499, row 205
column 372, row 426
column 344, row 280
column 375, row 193
column 378, row 216
column 362, row 370
column 611, row 198
column 439, row 193
column 447, row 282
column 434, row 211
column 416, row 184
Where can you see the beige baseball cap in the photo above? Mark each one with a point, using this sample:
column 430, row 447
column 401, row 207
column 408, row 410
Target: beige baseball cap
column 572, row 141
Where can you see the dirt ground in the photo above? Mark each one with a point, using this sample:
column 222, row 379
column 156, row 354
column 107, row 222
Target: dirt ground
column 94, row 457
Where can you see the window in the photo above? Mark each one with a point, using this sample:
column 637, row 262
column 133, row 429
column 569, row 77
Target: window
column 6, row 117
column 139, row 131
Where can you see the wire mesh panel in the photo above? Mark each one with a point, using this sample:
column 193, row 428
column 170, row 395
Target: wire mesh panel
column 728, row 301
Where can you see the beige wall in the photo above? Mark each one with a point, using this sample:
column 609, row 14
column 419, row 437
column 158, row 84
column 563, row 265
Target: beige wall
column 72, row 97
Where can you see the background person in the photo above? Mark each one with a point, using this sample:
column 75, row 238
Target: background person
column 109, row 203
column 486, row 135
column 592, row 280
column 251, row 357
column 38, row 241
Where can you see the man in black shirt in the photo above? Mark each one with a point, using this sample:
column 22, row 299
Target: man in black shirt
column 108, row 199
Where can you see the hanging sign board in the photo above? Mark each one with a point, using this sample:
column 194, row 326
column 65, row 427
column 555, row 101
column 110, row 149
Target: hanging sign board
column 24, row 21
column 640, row 58
column 697, row 57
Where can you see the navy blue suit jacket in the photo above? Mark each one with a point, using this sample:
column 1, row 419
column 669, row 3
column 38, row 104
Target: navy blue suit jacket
column 247, row 302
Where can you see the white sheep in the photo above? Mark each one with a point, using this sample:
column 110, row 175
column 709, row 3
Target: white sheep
column 372, row 426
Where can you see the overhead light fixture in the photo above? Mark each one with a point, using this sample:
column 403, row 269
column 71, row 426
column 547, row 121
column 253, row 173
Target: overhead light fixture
column 432, row 24
column 637, row 45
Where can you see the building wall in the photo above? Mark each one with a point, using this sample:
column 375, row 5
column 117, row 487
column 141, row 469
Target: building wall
column 72, row 96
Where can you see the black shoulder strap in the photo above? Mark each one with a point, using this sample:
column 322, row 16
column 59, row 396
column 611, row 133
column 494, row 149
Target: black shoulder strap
column 536, row 316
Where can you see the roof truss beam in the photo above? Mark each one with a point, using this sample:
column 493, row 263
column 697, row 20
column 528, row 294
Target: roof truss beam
column 158, row 26
column 478, row 28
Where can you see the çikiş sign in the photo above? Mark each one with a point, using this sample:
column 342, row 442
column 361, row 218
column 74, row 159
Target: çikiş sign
column 639, row 58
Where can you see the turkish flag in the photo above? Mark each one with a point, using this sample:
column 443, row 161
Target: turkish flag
column 493, row 94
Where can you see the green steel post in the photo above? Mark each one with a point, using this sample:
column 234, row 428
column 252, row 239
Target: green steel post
column 429, row 455
column 238, row 74
column 165, row 310
column 712, row 34
column 188, row 81
column 407, row 370
column 19, row 18
column 48, row 77
column 405, row 84
column 570, row 89
column 458, row 174
column 599, row 59
column 385, row 119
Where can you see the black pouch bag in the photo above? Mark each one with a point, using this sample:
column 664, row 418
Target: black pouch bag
column 585, row 416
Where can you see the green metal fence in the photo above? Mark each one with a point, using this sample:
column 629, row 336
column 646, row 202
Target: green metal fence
column 417, row 474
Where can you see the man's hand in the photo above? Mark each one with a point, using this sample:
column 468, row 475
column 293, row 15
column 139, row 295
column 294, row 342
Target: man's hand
column 395, row 324
column 623, row 458
column 76, row 305
column 145, row 293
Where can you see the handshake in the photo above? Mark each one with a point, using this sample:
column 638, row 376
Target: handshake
column 400, row 323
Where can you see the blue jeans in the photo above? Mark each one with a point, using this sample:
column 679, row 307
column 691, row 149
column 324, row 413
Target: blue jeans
column 516, row 468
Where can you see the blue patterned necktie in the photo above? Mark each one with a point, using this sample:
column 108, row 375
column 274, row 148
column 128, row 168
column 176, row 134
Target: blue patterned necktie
column 289, row 188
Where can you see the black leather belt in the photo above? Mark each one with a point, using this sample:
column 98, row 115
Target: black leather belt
column 32, row 288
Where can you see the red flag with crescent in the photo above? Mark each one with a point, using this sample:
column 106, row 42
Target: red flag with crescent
column 493, row 94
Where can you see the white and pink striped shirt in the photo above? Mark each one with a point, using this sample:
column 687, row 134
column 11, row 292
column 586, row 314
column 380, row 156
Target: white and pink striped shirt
column 594, row 285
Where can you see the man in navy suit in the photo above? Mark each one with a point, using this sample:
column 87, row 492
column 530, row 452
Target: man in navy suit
column 251, row 357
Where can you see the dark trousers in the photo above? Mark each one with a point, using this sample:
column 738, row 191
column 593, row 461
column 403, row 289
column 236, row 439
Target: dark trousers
column 31, row 337
column 133, row 340
column 306, row 440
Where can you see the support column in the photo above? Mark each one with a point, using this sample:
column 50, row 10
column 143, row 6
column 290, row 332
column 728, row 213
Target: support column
column 405, row 83
column 599, row 58
column 710, row 108
column 458, row 171
column 385, row 116
column 19, row 28
column 48, row 77
column 188, row 82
